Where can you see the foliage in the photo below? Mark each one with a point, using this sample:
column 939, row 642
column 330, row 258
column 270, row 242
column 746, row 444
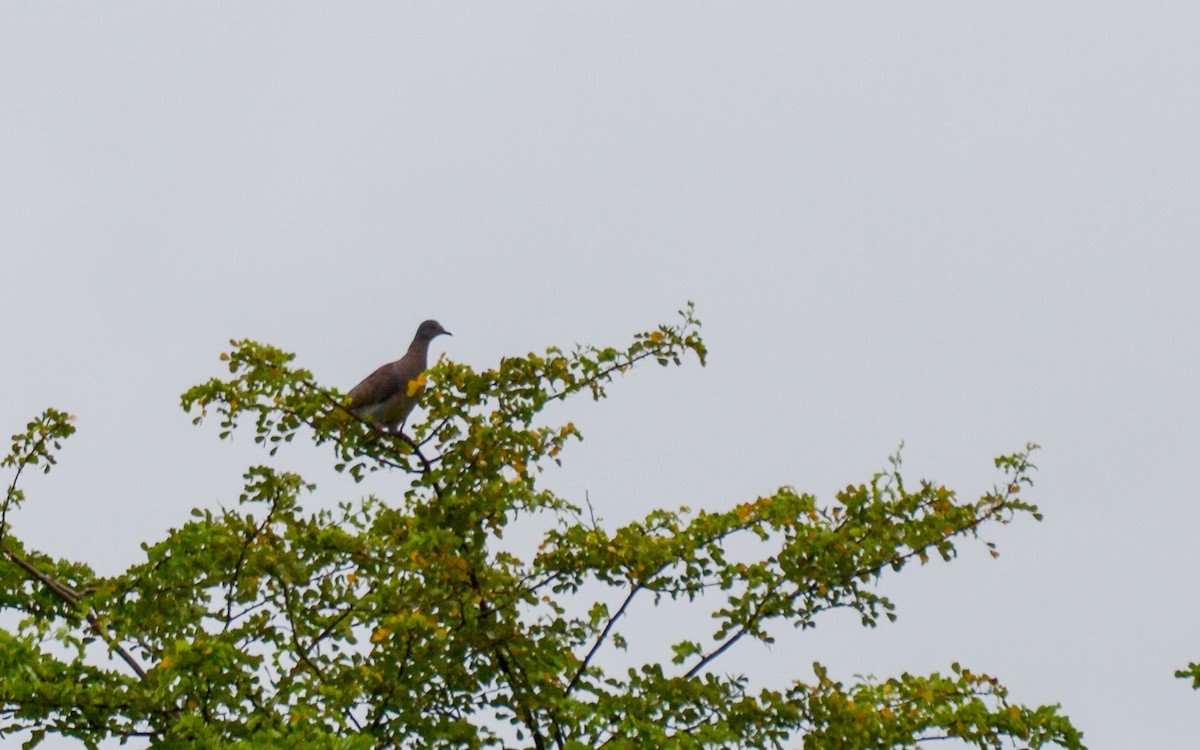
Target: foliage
column 402, row 622
column 1191, row 673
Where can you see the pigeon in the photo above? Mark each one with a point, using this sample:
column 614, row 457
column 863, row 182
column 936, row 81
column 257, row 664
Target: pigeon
column 386, row 396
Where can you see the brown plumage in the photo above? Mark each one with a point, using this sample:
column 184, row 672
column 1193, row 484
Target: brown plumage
column 385, row 397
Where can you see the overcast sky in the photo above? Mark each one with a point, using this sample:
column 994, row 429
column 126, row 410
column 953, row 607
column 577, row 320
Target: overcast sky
column 961, row 225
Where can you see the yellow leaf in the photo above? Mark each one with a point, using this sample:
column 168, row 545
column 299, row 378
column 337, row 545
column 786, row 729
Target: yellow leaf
column 380, row 634
column 416, row 384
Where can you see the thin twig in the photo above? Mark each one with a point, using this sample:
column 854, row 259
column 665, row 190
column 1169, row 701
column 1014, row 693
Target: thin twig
column 12, row 486
column 601, row 638
column 231, row 588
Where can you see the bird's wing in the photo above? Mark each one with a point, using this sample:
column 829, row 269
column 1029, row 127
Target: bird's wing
column 389, row 381
column 378, row 387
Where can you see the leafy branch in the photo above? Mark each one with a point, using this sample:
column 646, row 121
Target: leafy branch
column 406, row 621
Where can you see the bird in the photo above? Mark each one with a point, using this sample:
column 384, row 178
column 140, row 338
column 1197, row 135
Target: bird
column 386, row 396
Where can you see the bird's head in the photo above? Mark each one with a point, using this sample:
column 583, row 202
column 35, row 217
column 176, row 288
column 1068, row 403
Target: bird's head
column 431, row 329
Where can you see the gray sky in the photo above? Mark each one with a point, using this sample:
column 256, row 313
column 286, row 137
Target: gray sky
column 964, row 226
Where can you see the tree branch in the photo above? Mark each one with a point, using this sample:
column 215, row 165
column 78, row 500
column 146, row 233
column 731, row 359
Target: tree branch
column 231, row 587
column 12, row 486
column 869, row 570
column 601, row 638
column 71, row 597
column 302, row 651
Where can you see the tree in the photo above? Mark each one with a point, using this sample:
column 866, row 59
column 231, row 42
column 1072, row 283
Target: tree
column 400, row 622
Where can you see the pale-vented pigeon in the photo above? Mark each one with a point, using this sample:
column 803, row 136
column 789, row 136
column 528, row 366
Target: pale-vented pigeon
column 386, row 396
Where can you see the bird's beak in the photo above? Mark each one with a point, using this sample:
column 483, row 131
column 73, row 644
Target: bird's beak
column 447, row 332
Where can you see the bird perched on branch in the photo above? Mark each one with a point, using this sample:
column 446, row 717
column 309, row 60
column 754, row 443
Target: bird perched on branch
column 386, row 396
